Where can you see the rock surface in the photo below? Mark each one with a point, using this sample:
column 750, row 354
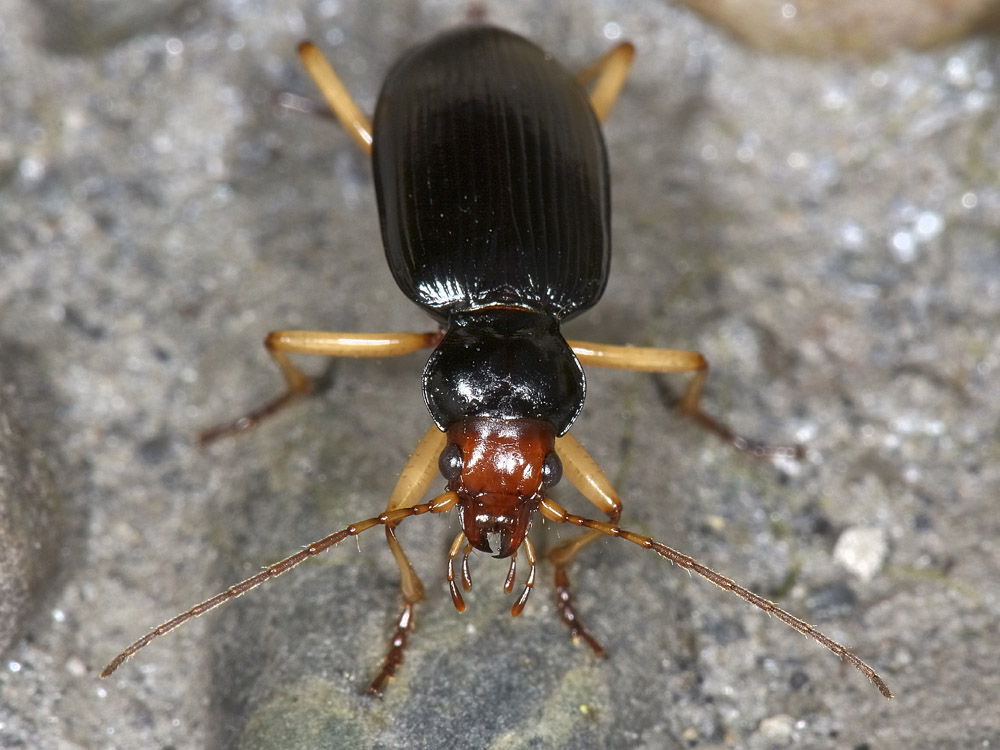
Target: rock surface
column 32, row 521
column 826, row 232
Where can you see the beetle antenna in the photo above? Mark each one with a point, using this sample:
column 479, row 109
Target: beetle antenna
column 439, row 504
column 555, row 512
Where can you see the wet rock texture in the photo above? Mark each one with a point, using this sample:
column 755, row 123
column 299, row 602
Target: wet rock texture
column 824, row 229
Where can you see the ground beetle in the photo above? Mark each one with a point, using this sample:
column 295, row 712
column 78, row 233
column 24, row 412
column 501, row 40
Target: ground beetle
column 493, row 194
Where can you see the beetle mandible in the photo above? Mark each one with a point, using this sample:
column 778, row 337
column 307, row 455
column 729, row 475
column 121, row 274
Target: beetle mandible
column 492, row 184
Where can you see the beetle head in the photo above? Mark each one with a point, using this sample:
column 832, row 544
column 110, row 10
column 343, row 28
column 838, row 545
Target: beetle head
column 500, row 469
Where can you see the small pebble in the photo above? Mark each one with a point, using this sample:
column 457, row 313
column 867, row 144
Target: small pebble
column 862, row 551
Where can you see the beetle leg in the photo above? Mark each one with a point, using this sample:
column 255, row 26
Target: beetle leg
column 654, row 359
column 554, row 512
column 336, row 95
column 280, row 344
column 610, row 72
column 419, row 472
column 416, row 479
column 588, row 478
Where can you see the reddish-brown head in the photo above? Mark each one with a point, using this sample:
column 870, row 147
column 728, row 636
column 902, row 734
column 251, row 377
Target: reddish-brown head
column 500, row 469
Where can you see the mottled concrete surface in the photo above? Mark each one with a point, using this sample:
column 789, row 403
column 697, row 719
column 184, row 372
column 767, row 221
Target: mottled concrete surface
column 826, row 232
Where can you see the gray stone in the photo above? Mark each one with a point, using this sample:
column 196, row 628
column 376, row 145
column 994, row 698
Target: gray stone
column 825, row 232
column 31, row 511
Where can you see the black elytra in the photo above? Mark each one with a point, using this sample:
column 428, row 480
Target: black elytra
column 494, row 203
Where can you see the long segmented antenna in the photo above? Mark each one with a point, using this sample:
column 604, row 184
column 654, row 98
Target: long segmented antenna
column 440, row 504
column 555, row 512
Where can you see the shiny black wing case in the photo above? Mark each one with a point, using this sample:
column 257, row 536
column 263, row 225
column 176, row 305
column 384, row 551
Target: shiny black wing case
column 491, row 177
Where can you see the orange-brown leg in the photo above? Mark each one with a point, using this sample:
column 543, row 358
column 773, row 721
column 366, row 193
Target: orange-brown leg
column 608, row 74
column 416, row 479
column 280, row 344
column 584, row 474
column 337, row 96
column 654, row 359
column 554, row 512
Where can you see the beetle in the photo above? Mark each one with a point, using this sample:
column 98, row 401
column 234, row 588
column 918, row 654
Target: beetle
column 491, row 178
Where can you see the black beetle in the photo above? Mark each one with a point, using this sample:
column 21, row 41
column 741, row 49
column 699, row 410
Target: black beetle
column 493, row 193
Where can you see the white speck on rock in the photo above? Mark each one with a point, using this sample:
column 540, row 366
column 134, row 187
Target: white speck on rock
column 862, row 551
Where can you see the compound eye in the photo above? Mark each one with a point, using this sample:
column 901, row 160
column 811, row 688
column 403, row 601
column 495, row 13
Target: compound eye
column 450, row 462
column 551, row 470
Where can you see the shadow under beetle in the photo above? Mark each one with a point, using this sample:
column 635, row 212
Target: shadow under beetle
column 492, row 183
